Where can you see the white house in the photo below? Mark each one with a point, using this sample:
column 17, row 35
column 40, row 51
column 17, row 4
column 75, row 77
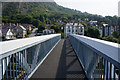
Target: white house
column 106, row 30
column 111, row 30
column 93, row 22
column 48, row 31
column 9, row 34
column 73, row 28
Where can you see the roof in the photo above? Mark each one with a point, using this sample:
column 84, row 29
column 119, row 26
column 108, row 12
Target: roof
column 6, row 27
column 22, row 27
column 74, row 24
column 9, row 32
column 69, row 24
column 93, row 21
column 105, row 25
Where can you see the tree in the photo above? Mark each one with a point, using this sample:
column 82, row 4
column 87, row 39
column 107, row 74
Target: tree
column 56, row 28
column 42, row 18
column 27, row 19
column 92, row 31
column 41, row 27
column 115, row 34
column 36, row 23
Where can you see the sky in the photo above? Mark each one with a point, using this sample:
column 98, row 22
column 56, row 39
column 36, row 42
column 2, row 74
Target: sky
column 100, row 7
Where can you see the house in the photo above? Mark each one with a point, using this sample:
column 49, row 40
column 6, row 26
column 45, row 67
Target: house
column 106, row 30
column 7, row 32
column 48, row 31
column 52, row 31
column 92, row 22
column 111, row 30
column 59, row 21
column 19, row 31
column 28, row 27
column 73, row 28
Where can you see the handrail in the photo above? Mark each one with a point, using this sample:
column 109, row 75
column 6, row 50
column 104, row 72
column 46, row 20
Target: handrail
column 7, row 46
column 97, row 55
column 19, row 58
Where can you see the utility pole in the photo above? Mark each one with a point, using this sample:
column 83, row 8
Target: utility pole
column 47, row 20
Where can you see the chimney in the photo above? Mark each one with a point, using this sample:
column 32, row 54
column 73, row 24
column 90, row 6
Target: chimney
column 17, row 24
column 2, row 24
column 73, row 23
column 10, row 25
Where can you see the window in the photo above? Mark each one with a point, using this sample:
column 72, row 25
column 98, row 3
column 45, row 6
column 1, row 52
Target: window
column 69, row 30
column 66, row 26
column 72, row 30
column 76, row 30
column 17, row 30
column 81, row 30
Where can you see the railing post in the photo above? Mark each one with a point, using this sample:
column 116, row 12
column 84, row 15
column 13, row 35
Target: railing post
column 0, row 69
column 119, row 73
column 26, row 54
column 10, row 67
column 6, row 64
column 13, row 66
column 16, row 64
column 119, row 59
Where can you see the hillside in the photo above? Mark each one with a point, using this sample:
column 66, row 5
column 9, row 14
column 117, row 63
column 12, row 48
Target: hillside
column 15, row 12
column 35, row 8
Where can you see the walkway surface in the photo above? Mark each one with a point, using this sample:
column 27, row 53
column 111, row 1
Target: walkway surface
column 62, row 62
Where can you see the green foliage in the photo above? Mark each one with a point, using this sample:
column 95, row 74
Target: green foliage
column 62, row 35
column 92, row 32
column 83, row 23
column 36, row 23
column 118, row 40
column 24, row 12
column 56, row 28
column 41, row 27
column 27, row 19
column 110, row 38
column 29, row 32
column 41, row 18
column 26, row 36
column 35, row 13
column 115, row 34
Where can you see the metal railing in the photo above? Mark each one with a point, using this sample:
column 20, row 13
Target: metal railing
column 100, row 59
column 20, row 58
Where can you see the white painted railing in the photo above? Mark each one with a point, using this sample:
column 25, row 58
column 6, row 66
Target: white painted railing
column 19, row 58
column 99, row 58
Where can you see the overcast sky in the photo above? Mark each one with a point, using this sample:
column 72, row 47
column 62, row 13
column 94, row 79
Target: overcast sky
column 100, row 7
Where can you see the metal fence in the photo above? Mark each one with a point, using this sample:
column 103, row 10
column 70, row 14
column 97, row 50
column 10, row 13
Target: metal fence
column 21, row 62
column 96, row 63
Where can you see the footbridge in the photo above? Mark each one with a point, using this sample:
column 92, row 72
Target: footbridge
column 49, row 56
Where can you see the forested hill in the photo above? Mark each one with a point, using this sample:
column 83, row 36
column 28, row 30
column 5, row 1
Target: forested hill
column 17, row 12
column 35, row 8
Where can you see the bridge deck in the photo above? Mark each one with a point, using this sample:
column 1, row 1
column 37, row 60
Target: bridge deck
column 61, row 63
